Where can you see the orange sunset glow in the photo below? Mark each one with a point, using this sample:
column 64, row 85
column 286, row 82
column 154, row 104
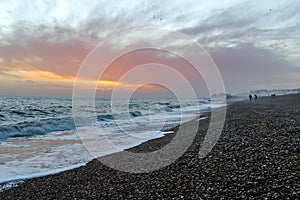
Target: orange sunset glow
column 28, row 74
column 40, row 53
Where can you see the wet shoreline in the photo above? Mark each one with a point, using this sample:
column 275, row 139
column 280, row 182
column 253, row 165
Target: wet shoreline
column 257, row 156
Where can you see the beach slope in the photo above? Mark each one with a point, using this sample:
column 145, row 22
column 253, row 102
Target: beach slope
column 257, row 156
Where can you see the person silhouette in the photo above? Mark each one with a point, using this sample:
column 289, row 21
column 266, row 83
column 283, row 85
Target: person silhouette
column 250, row 97
column 255, row 97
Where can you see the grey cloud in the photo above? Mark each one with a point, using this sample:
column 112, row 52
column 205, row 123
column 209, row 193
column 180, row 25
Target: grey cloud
column 248, row 66
column 29, row 81
column 63, row 46
column 233, row 36
column 242, row 23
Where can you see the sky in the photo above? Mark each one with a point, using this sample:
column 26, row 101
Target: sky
column 254, row 44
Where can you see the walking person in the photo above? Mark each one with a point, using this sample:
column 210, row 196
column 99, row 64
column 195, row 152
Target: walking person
column 250, row 97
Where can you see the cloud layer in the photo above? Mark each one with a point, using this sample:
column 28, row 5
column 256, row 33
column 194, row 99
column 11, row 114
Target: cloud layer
column 255, row 44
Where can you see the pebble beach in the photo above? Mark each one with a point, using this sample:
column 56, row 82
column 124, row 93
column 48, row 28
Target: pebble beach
column 256, row 157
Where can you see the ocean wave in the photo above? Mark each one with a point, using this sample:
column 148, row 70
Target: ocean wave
column 105, row 117
column 40, row 127
column 38, row 110
column 173, row 106
column 167, row 109
column 19, row 120
column 119, row 116
column 18, row 112
column 136, row 113
column 203, row 101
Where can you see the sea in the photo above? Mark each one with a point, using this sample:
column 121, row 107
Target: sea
column 38, row 135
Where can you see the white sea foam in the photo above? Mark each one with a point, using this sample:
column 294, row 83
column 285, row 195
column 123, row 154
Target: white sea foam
column 50, row 143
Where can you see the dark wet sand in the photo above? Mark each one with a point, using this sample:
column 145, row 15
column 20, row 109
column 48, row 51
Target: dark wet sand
column 256, row 157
